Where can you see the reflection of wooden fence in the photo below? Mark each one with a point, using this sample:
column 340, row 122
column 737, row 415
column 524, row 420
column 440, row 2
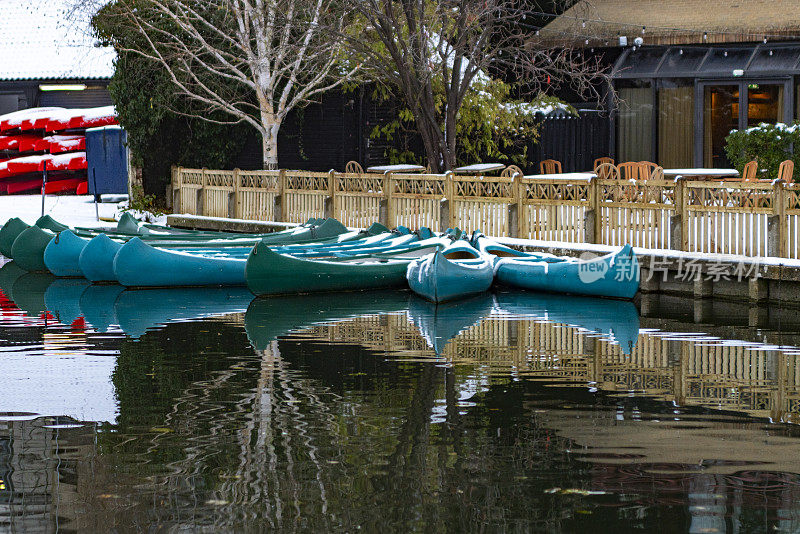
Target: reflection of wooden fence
column 754, row 219
column 689, row 371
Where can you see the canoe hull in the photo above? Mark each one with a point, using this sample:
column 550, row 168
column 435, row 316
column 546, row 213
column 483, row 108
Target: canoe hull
column 9, row 233
column 140, row 265
column 438, row 279
column 62, row 255
column 270, row 273
column 28, row 248
column 614, row 275
column 96, row 260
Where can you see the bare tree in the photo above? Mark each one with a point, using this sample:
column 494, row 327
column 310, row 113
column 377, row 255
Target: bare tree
column 252, row 60
column 432, row 52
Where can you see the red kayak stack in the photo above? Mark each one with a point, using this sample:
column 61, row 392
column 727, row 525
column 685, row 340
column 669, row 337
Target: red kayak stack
column 31, row 139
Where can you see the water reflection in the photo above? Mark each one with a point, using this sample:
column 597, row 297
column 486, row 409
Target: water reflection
column 206, row 409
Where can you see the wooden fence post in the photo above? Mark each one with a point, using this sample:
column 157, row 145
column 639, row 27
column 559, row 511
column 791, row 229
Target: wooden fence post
column 777, row 222
column 278, row 207
column 523, row 214
column 330, row 202
column 679, row 223
column 237, row 198
column 388, row 185
column 446, row 215
column 177, row 185
column 201, row 194
column 592, row 220
column 515, row 208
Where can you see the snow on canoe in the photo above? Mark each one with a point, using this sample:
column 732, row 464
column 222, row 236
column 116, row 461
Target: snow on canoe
column 57, row 144
column 73, row 161
column 82, row 118
column 13, row 120
column 21, row 143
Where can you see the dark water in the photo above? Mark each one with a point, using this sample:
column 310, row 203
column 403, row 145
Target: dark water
column 206, row 410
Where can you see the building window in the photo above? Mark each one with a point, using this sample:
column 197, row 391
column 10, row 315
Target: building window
column 635, row 124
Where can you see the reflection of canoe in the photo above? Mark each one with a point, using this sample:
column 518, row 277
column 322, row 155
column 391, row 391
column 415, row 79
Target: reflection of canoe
column 439, row 323
column 272, row 273
column 97, row 305
column 457, row 271
column 9, row 233
column 28, row 292
column 616, row 319
column 62, row 299
column 140, row 309
column 28, row 248
column 270, row 317
column 137, row 264
column 96, row 260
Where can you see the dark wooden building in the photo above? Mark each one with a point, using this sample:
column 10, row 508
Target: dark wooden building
column 687, row 72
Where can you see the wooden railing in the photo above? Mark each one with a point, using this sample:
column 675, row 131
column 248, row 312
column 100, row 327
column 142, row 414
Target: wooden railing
column 753, row 219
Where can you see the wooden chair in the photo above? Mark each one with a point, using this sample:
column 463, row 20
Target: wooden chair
column 630, row 170
column 607, row 171
column 511, row 171
column 600, row 161
column 353, row 167
column 657, row 173
column 749, row 171
column 550, row 166
column 646, row 170
column 786, row 171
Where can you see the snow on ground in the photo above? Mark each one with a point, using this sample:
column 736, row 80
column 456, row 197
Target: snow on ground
column 71, row 210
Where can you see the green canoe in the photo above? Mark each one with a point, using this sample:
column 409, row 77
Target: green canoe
column 28, row 248
column 9, row 233
column 271, row 273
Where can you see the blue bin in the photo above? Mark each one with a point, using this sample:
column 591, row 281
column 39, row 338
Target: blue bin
column 107, row 160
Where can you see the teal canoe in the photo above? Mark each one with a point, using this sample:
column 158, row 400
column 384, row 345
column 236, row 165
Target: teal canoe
column 62, row 254
column 273, row 273
column 614, row 275
column 614, row 320
column 457, row 271
column 9, row 233
column 439, row 323
column 28, row 248
column 138, row 264
column 96, row 260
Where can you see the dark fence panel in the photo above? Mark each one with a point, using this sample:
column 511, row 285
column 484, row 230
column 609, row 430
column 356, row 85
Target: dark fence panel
column 574, row 141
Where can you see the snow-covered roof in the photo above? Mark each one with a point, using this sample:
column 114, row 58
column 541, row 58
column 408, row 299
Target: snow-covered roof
column 48, row 39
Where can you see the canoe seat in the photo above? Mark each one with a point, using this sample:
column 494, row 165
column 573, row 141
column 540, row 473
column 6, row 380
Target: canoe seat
column 460, row 255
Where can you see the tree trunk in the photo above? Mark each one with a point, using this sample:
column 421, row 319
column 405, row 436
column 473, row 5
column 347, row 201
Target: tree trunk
column 269, row 142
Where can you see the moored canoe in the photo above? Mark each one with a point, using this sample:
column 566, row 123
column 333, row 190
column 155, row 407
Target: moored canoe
column 271, row 273
column 457, row 271
column 96, row 260
column 614, row 275
column 137, row 264
column 28, row 248
column 9, row 233
column 62, row 254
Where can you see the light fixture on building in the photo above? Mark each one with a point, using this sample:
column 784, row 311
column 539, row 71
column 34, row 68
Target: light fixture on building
column 63, row 87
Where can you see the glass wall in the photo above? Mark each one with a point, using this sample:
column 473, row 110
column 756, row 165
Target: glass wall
column 676, row 124
column 635, row 124
column 764, row 103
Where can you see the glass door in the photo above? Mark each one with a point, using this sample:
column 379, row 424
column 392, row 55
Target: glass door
column 737, row 105
column 720, row 116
